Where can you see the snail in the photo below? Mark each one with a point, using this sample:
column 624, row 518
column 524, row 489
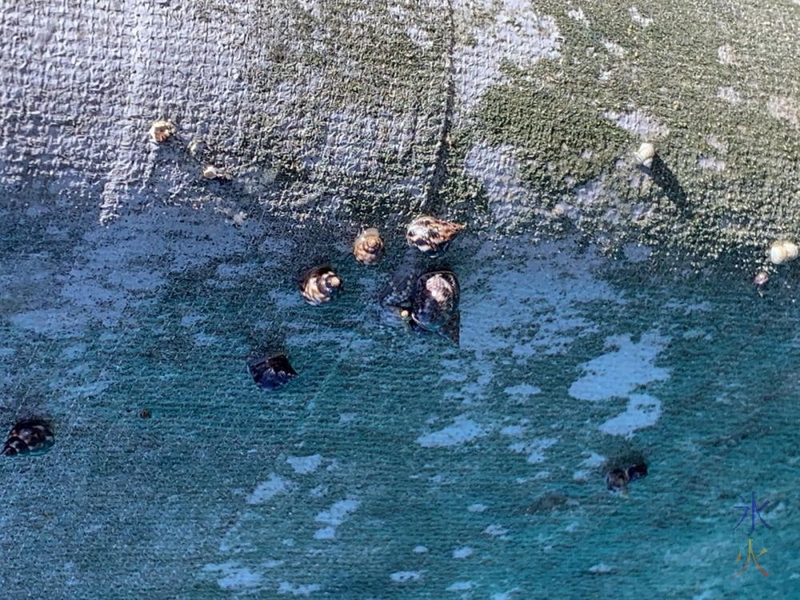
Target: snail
column 368, row 247
column 782, row 251
column 271, row 373
column 617, row 479
column 320, row 285
column 161, row 131
column 29, row 437
column 426, row 302
column 430, row 235
column 645, row 155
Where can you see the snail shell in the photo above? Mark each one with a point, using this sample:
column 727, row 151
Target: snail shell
column 645, row 154
column 782, row 251
column 434, row 304
column 430, row 235
column 26, row 437
column 368, row 247
column 161, row 131
column 320, row 285
column 272, row 373
column 617, row 480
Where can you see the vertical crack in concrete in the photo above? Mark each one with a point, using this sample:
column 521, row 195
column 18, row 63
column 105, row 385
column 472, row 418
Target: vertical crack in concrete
column 443, row 145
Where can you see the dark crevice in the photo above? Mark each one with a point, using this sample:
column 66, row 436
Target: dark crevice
column 443, row 145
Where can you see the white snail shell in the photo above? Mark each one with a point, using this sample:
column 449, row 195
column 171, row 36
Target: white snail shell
column 645, row 154
column 782, row 251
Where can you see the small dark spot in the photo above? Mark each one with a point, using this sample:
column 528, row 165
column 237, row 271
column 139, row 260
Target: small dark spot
column 145, row 414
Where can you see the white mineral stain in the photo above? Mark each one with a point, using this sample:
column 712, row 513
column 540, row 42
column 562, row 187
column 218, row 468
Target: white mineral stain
column 298, row 590
column 534, row 448
column 643, row 411
column 621, row 371
column 234, row 577
column 337, row 514
column 267, row 489
column 460, row 586
column 523, row 389
column 638, row 123
column 303, row 465
column 516, row 35
column 461, row 431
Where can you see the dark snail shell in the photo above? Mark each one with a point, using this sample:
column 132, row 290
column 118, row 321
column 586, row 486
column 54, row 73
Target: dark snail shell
column 368, row 247
column 272, row 373
column 430, row 235
column 617, row 480
column 434, row 304
column 29, row 437
column 320, row 285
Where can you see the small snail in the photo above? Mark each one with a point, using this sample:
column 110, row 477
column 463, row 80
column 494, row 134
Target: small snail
column 760, row 281
column 430, row 235
column 320, row 285
column 271, row 373
column 368, row 247
column 645, row 155
column 29, row 437
column 782, row 251
column 434, row 304
column 161, row 131
column 617, row 479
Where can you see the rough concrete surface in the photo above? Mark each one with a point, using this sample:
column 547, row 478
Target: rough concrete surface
column 607, row 309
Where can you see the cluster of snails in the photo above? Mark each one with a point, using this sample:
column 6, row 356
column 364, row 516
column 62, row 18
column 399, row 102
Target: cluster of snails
column 32, row 436
column 429, row 302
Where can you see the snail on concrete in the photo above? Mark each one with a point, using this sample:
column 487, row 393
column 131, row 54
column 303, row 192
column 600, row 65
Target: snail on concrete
column 430, row 235
column 320, row 285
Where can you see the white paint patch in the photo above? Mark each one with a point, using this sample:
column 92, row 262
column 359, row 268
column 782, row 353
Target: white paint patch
column 621, row 371
column 643, row 411
column 405, row 576
column 303, row 465
column 497, row 168
column 517, row 35
column 637, row 17
column 461, row 586
column 534, row 448
column 513, row 430
column 638, row 123
column 463, row 552
column 461, row 431
column 614, row 49
column 726, row 55
column 298, row 590
column 523, row 389
column 600, row 569
column 711, row 163
column 337, row 514
column 234, row 577
column 577, row 15
column 729, row 95
column 267, row 489
column 786, row 109
column 477, row 507
column 542, row 284
column 495, row 530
